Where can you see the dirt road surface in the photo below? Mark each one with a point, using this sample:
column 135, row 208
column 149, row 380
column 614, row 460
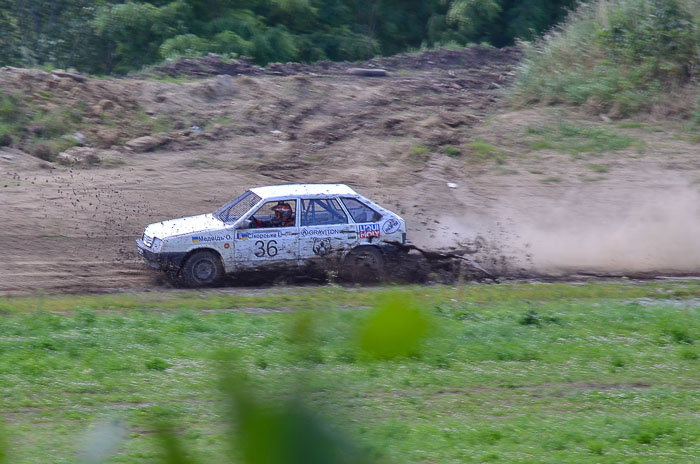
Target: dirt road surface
column 73, row 228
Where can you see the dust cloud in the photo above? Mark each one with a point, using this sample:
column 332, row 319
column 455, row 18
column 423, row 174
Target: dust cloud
column 645, row 232
column 635, row 232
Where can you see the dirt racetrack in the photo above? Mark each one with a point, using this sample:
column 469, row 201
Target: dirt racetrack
column 541, row 211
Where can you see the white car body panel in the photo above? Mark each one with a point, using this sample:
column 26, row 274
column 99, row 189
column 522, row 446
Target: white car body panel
column 242, row 247
column 186, row 225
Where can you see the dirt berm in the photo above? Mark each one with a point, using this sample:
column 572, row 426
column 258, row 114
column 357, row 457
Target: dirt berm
column 433, row 140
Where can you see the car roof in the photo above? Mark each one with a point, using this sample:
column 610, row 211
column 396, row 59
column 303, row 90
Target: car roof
column 302, row 190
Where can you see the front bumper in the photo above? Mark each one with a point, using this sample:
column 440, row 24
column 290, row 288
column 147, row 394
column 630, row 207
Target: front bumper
column 160, row 261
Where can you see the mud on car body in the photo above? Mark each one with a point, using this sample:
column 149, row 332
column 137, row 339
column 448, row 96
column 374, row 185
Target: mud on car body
column 284, row 225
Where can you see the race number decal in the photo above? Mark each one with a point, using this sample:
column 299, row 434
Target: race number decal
column 263, row 249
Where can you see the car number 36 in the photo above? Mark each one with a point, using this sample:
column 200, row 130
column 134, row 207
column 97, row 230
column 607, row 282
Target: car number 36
column 263, row 249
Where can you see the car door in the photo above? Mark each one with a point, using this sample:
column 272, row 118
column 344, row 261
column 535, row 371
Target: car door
column 325, row 229
column 265, row 240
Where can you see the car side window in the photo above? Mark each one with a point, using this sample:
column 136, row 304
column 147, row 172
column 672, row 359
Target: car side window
column 321, row 212
column 360, row 212
column 274, row 214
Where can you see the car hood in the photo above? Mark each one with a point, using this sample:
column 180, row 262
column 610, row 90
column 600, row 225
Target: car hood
column 182, row 226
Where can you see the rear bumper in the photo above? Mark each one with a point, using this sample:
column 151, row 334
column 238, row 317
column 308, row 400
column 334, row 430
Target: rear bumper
column 160, row 261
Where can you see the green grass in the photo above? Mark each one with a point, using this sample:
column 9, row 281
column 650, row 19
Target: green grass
column 419, row 153
column 42, row 132
column 595, row 372
column 551, row 180
column 579, row 139
column 484, row 151
column 452, row 152
column 599, row 168
column 630, row 125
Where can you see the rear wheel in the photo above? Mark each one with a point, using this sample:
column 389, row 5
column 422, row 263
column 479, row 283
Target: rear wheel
column 202, row 269
column 363, row 265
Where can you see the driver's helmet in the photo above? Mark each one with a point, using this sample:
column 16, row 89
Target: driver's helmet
column 283, row 212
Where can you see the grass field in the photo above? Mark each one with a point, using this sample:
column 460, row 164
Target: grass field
column 597, row 372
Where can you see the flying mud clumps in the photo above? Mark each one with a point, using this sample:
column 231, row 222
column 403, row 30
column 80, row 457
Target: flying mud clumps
column 478, row 261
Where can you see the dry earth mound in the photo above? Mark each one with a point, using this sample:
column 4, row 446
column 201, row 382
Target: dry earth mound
column 431, row 140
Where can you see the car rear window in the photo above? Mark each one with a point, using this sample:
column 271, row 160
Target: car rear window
column 359, row 211
column 321, row 212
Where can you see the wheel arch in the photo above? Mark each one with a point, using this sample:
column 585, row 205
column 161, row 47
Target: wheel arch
column 363, row 246
column 191, row 252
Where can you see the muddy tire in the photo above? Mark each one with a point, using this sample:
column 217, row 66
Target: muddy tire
column 363, row 265
column 202, row 269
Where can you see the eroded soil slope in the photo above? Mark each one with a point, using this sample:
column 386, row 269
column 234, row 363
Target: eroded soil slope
column 437, row 118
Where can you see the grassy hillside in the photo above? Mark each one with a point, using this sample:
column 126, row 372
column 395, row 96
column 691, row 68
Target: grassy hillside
column 619, row 57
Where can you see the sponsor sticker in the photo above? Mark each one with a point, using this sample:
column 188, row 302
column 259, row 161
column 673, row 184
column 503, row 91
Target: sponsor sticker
column 369, row 230
column 391, row 226
column 320, row 232
column 212, row 238
column 322, row 246
column 257, row 235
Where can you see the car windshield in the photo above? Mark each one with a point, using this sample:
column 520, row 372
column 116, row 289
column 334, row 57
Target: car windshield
column 234, row 209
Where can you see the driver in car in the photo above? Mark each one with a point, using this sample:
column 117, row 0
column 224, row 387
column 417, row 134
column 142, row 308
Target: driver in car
column 283, row 217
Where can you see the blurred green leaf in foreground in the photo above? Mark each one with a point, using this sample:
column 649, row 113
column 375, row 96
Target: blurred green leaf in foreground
column 396, row 329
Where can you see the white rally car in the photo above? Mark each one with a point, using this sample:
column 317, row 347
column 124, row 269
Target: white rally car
column 283, row 225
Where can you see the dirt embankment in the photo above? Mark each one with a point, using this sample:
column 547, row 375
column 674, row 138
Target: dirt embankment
column 169, row 149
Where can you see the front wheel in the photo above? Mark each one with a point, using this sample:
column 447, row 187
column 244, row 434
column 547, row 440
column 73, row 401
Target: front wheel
column 363, row 265
column 202, row 269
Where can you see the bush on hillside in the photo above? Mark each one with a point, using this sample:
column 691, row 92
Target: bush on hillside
column 620, row 56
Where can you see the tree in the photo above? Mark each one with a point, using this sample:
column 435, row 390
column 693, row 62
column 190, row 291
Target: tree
column 134, row 32
column 9, row 36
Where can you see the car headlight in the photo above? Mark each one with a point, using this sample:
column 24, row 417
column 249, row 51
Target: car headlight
column 148, row 241
column 157, row 244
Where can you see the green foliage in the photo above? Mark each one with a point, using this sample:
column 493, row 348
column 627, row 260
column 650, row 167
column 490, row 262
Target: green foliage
column 473, row 15
column 9, row 36
column 9, row 108
column 660, row 32
column 299, row 437
column 113, row 36
column 276, row 44
column 186, row 45
column 620, row 55
column 135, row 31
column 396, row 329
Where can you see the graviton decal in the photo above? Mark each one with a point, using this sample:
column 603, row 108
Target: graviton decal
column 320, row 232
column 369, row 230
column 391, row 226
column 257, row 235
column 212, row 238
